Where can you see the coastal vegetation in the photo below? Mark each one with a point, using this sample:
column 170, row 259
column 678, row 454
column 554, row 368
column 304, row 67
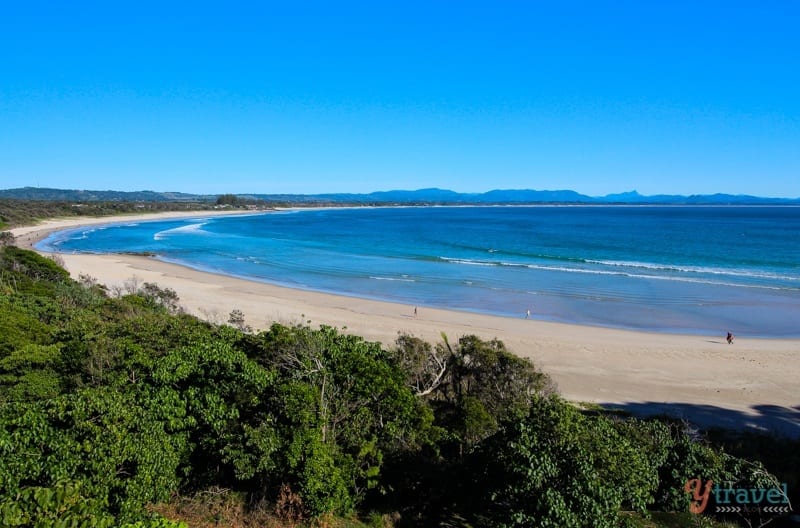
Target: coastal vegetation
column 232, row 200
column 119, row 409
column 18, row 212
column 15, row 212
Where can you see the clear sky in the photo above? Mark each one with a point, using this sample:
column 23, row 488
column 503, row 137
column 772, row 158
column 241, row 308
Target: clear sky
column 596, row 96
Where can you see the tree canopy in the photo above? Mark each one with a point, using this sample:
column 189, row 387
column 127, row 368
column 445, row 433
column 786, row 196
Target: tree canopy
column 116, row 402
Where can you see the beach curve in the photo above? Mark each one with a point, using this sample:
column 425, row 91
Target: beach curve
column 752, row 383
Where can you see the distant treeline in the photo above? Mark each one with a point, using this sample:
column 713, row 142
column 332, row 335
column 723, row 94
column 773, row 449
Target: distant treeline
column 118, row 409
column 23, row 212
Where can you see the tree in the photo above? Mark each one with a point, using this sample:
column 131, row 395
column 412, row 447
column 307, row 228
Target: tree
column 229, row 422
column 472, row 386
column 236, row 319
column 557, row 467
column 166, row 297
column 423, row 365
column 342, row 406
column 7, row 238
column 228, row 199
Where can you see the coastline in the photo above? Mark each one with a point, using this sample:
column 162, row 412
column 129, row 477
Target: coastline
column 751, row 383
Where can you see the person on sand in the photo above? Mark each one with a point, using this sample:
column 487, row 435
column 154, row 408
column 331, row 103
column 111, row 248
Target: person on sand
column 730, row 338
column 415, row 311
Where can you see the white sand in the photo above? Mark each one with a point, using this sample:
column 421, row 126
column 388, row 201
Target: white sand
column 752, row 383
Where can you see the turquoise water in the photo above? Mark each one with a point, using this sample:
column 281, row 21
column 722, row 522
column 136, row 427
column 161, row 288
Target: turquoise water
column 701, row 270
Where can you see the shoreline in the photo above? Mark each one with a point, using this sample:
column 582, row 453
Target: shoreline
column 750, row 384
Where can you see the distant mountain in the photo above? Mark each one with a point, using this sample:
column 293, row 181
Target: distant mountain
column 626, row 197
column 428, row 195
column 441, row 196
column 420, row 196
column 737, row 199
column 513, row 196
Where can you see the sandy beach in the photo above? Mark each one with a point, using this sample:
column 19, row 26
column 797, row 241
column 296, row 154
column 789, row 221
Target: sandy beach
column 750, row 384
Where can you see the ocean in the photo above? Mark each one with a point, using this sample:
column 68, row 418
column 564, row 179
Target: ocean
column 693, row 269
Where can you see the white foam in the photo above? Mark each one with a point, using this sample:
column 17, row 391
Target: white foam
column 696, row 269
column 190, row 228
column 641, row 265
column 469, row 261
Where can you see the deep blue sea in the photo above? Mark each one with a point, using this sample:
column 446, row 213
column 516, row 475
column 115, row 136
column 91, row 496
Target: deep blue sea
column 700, row 270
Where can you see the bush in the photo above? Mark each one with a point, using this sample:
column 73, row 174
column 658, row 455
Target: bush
column 7, row 238
column 557, row 467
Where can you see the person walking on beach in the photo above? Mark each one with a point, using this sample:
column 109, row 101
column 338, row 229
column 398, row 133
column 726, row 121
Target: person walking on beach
column 415, row 311
column 527, row 314
column 730, row 338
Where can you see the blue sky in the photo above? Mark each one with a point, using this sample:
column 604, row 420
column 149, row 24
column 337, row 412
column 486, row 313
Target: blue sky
column 599, row 97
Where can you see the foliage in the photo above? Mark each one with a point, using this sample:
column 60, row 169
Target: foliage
column 341, row 405
column 29, row 373
column 59, row 505
column 109, row 405
column 557, row 467
column 34, row 266
column 20, row 325
column 232, row 200
column 6, row 238
column 120, row 454
column 221, row 392
column 473, row 386
column 164, row 297
column 227, row 199
column 16, row 212
column 236, row 319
